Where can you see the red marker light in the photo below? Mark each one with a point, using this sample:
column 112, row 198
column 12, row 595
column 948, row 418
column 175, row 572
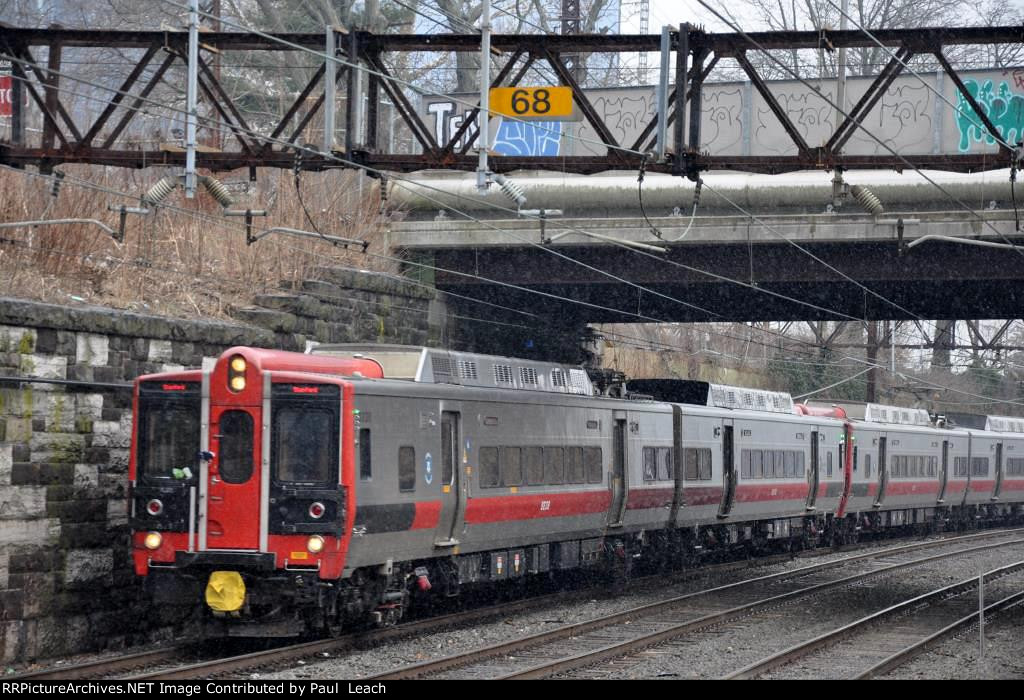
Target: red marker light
column 317, row 510
column 155, row 507
column 174, row 387
column 305, row 390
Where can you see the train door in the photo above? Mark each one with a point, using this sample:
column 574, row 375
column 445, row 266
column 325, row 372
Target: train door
column 451, row 480
column 846, row 464
column 944, row 473
column 728, row 470
column 999, row 472
column 233, row 479
column 883, row 471
column 620, row 457
column 813, row 475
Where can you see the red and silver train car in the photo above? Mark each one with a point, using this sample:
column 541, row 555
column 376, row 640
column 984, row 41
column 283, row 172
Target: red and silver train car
column 280, row 492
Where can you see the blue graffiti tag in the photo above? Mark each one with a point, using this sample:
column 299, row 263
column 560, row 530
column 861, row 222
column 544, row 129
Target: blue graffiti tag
column 528, row 138
column 1005, row 110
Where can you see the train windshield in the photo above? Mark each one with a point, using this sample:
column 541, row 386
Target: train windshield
column 168, row 432
column 305, row 428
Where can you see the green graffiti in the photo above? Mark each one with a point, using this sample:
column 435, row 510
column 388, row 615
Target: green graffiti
column 1005, row 111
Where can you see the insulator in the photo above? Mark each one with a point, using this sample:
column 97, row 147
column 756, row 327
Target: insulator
column 158, row 192
column 58, row 178
column 218, row 191
column 511, row 190
column 867, row 200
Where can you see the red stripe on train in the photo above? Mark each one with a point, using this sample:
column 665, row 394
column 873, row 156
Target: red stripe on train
column 496, row 509
column 771, row 492
column 428, row 515
column 911, row 488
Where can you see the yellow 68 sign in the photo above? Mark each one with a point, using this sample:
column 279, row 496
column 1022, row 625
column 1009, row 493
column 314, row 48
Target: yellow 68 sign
column 532, row 102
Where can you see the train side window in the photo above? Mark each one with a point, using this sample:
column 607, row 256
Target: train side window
column 650, row 466
column 574, row 465
column 789, row 463
column 554, row 465
column 768, row 464
column 933, row 466
column 800, row 464
column 534, row 466
column 690, row 457
column 756, row 464
column 365, row 463
column 867, row 466
column 592, row 463
column 664, row 464
column 828, row 464
column 489, row 476
column 745, row 464
column 511, row 466
column 407, row 468
column 704, row 454
column 854, row 458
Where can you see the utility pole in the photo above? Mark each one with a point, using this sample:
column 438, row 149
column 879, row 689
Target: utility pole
column 571, row 25
column 191, row 99
column 484, row 141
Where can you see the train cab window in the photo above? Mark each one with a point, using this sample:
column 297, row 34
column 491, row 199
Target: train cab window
column 574, row 465
column 365, row 462
column 511, row 466
column 534, row 465
column 650, row 464
column 236, row 451
column 407, row 468
column 489, row 475
column 664, row 464
column 168, row 439
column 554, row 465
column 592, row 464
column 855, row 458
column 296, row 457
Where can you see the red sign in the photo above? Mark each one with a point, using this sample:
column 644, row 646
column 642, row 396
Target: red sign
column 5, row 95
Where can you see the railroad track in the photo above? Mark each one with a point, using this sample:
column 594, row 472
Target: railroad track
column 615, row 636
column 100, row 668
column 169, row 657
column 878, row 643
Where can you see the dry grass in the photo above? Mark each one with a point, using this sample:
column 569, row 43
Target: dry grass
column 184, row 258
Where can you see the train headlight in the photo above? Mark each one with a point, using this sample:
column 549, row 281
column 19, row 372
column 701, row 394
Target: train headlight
column 153, row 540
column 155, row 507
column 236, row 373
column 315, row 544
column 317, row 510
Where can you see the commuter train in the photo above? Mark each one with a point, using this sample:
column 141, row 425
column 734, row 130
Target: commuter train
column 282, row 493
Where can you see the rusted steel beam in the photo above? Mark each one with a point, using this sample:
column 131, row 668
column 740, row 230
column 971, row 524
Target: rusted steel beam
column 868, row 100
column 122, row 92
column 773, row 104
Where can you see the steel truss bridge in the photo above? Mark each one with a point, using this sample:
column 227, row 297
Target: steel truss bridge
column 361, row 75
